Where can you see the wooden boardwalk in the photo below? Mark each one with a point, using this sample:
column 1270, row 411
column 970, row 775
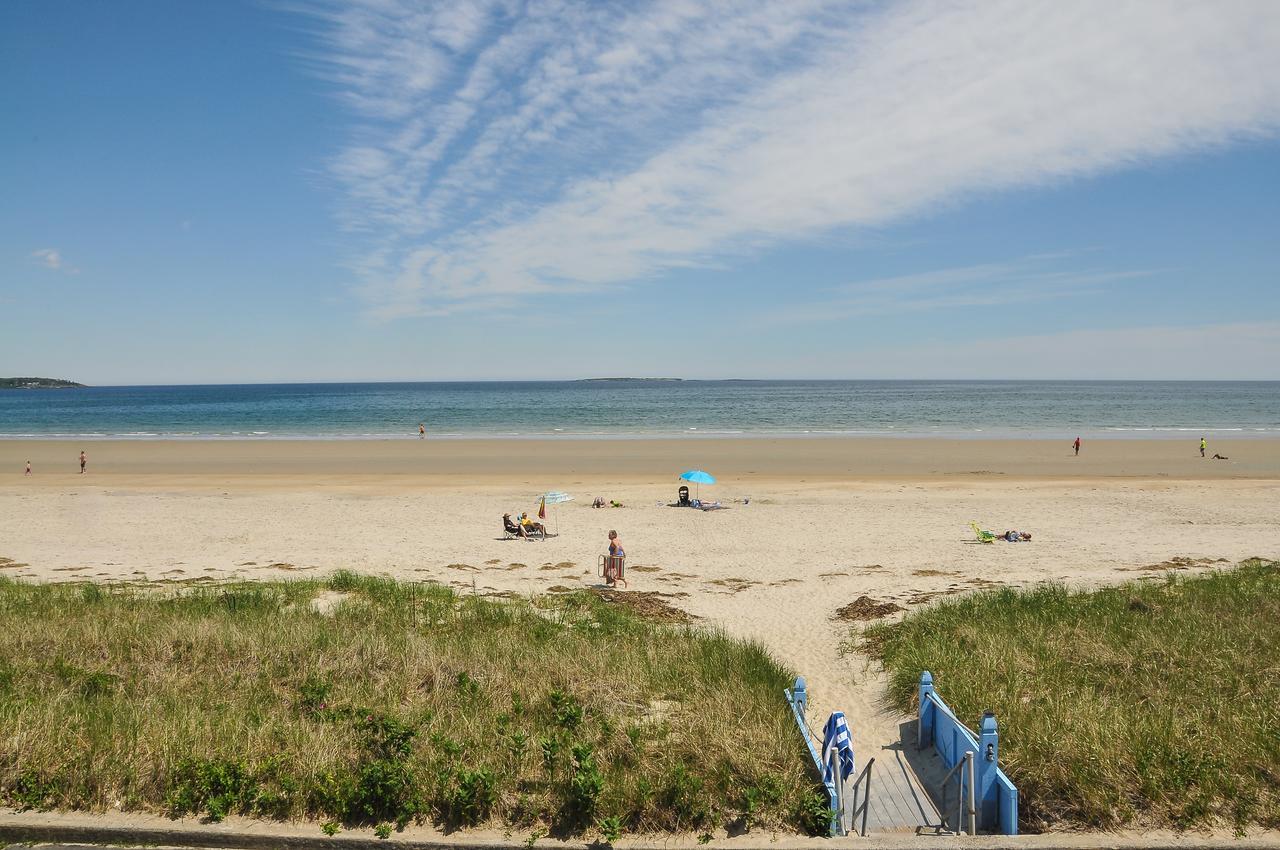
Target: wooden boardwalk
column 900, row 802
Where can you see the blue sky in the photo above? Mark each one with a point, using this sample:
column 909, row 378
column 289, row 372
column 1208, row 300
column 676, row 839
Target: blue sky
column 390, row 190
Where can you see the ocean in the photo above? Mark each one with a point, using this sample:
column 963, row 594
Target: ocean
column 620, row 408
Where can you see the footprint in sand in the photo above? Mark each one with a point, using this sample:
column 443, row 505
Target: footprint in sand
column 493, row 561
column 461, row 567
column 642, row 569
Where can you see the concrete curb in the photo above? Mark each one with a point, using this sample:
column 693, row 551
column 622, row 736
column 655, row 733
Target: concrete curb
column 55, row 828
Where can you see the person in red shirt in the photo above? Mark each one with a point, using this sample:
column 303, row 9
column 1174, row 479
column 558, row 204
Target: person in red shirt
column 1077, row 445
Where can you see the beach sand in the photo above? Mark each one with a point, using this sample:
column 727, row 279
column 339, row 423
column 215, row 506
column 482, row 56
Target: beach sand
column 829, row 520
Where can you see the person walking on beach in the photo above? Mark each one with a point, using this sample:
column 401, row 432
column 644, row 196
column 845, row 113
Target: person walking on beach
column 611, row 569
column 28, row 472
column 1204, row 444
column 1077, row 445
column 422, row 431
column 82, row 462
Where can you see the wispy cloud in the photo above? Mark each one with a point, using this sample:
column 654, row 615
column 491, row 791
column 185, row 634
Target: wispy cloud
column 1040, row 277
column 506, row 148
column 52, row 259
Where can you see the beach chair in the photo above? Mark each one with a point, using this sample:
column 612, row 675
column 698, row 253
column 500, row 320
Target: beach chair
column 510, row 531
column 613, row 569
column 983, row 535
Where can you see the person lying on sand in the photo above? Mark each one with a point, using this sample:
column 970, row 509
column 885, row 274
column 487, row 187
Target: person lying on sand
column 598, row 503
column 1016, row 536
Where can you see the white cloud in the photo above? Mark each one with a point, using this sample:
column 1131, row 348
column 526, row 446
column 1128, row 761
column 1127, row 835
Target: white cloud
column 552, row 147
column 48, row 257
column 1026, row 279
column 52, row 259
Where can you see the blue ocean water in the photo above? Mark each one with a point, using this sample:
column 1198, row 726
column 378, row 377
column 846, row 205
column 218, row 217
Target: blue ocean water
column 1172, row 409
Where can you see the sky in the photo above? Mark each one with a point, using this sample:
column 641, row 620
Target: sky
column 268, row 191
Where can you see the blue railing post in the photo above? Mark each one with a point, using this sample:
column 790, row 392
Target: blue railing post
column 988, row 758
column 800, row 695
column 925, row 720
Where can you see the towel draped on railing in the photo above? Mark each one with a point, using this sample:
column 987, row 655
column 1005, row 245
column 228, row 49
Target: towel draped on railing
column 837, row 734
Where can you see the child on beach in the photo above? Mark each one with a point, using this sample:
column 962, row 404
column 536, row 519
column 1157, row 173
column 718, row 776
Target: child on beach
column 82, row 462
column 28, row 472
column 1077, row 445
column 1204, row 444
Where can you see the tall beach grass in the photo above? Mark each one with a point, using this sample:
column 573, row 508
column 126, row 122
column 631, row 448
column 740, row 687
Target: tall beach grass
column 367, row 701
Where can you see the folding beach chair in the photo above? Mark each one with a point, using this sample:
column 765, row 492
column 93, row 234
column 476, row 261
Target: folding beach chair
column 983, row 535
column 613, row 568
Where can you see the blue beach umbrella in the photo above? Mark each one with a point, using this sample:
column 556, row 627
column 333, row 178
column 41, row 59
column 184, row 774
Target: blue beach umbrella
column 697, row 476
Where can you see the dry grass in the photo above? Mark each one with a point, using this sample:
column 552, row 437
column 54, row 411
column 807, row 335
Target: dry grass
column 400, row 702
column 1148, row 703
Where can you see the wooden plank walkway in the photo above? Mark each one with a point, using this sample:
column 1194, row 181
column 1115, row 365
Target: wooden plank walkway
column 900, row 802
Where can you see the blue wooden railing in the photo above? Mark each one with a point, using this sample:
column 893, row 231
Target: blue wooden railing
column 994, row 796
column 798, row 698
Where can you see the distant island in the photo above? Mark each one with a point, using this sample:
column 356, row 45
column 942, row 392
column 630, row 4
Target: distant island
column 589, row 380
column 36, row 384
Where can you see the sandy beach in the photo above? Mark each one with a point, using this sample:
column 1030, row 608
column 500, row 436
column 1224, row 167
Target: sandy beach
column 827, row 521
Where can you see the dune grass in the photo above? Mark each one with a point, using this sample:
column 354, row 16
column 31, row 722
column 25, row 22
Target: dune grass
column 401, row 703
column 1149, row 703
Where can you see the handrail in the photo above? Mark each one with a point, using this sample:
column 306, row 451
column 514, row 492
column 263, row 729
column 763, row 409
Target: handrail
column 798, row 699
column 864, row 807
column 836, row 789
column 992, row 796
column 964, row 765
column 938, row 703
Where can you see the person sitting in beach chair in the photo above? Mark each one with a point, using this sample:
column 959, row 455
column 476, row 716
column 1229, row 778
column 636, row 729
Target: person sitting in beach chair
column 529, row 528
column 682, row 498
column 510, row 529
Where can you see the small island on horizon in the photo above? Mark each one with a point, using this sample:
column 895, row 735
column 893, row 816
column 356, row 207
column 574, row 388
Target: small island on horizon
column 37, row 384
column 632, row 380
